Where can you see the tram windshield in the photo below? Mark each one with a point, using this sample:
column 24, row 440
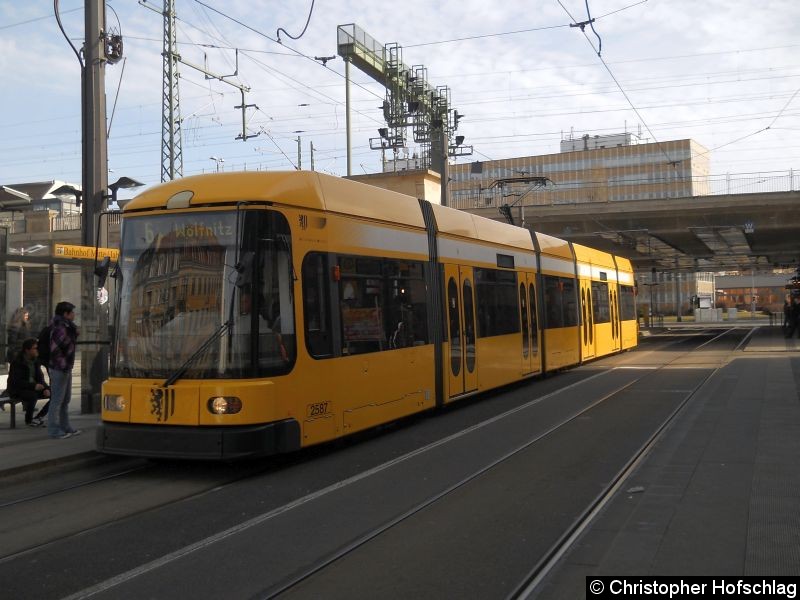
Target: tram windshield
column 186, row 278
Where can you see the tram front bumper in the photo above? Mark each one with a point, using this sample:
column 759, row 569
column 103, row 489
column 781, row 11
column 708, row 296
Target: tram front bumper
column 201, row 443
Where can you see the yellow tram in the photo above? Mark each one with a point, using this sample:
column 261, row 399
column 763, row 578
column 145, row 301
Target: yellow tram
column 259, row 313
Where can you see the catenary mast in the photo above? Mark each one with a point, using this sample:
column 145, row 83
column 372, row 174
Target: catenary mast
column 171, row 151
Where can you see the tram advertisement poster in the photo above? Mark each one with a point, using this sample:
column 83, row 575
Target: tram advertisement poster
column 362, row 324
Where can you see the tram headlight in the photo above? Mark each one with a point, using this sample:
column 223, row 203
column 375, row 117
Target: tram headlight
column 224, row 405
column 115, row 403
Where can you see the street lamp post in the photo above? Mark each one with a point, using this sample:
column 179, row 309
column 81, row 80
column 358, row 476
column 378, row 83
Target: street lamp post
column 217, row 160
column 94, row 180
column 651, row 284
column 123, row 183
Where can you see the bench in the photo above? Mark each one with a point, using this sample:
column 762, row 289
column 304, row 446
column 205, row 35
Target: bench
column 5, row 400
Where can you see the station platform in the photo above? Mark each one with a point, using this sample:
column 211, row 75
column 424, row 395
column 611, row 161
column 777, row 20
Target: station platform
column 718, row 495
column 27, row 448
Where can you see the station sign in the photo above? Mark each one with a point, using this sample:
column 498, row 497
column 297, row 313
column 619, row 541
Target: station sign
column 85, row 252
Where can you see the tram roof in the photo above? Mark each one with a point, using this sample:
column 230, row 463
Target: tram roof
column 463, row 224
column 554, row 246
column 592, row 256
column 301, row 189
column 318, row 191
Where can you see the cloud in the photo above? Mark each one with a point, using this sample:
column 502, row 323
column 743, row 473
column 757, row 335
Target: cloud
column 714, row 71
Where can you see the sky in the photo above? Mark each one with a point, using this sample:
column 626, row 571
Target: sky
column 725, row 73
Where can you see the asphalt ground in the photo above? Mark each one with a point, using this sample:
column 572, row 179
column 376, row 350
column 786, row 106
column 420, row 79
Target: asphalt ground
column 718, row 495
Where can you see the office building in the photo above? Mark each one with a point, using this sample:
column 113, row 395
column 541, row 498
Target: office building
column 598, row 169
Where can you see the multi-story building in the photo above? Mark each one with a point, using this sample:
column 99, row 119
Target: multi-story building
column 588, row 169
column 751, row 291
column 34, row 217
column 665, row 293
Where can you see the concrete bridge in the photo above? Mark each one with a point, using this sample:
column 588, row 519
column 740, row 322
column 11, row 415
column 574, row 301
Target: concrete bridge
column 757, row 231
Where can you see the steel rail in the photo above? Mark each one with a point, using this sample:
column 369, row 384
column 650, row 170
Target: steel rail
column 281, row 587
column 74, row 486
column 340, row 553
column 225, row 482
column 528, row 587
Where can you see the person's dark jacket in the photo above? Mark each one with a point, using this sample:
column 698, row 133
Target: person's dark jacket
column 19, row 376
column 63, row 337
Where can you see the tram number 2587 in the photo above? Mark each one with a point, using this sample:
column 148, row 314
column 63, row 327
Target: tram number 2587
column 318, row 409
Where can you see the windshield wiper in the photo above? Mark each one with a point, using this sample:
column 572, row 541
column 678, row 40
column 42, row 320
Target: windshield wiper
column 226, row 326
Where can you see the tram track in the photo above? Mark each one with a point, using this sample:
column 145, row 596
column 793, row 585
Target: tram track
column 286, row 586
column 127, row 466
column 429, row 502
column 542, row 568
column 68, row 487
column 134, row 470
column 528, row 587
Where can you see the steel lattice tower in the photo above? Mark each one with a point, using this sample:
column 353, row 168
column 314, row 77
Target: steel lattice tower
column 171, row 152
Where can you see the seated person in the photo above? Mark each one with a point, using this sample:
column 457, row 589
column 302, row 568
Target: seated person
column 26, row 380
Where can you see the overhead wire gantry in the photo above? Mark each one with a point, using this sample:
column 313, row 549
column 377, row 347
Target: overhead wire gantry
column 410, row 101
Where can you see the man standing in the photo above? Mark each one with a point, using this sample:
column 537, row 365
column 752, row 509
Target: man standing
column 794, row 317
column 63, row 336
column 26, row 380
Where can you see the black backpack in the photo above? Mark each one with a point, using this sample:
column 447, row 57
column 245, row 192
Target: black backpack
column 44, row 345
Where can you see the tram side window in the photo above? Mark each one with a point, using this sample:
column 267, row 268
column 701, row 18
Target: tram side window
column 569, row 302
column 497, row 302
column 560, row 305
column 383, row 304
column 316, row 306
column 602, row 310
column 627, row 303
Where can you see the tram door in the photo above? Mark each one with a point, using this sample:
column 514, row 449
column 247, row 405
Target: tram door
column 616, row 324
column 587, row 321
column 461, row 361
column 531, row 359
